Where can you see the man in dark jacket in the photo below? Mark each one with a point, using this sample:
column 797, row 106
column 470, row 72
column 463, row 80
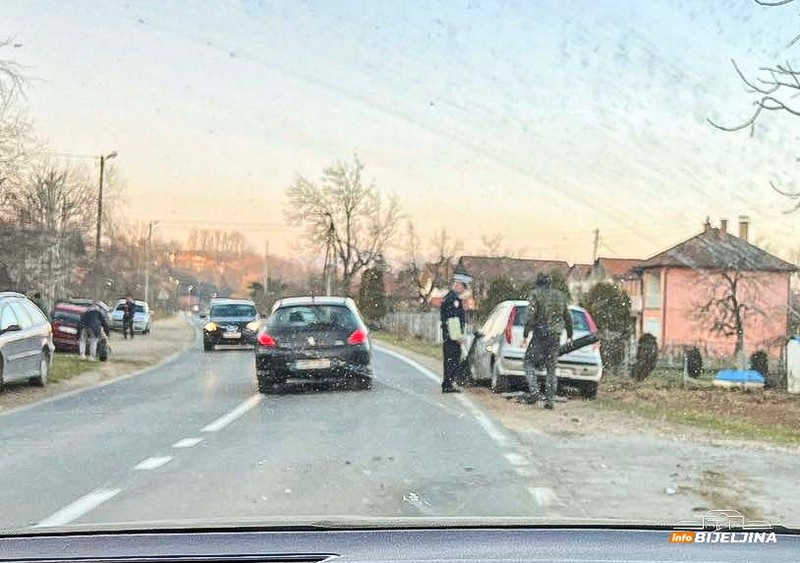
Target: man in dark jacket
column 453, row 321
column 548, row 317
column 93, row 327
column 128, row 311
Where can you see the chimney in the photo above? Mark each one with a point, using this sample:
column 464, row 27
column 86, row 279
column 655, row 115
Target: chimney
column 707, row 225
column 744, row 227
column 723, row 225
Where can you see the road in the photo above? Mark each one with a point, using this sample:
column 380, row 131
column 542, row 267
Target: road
column 193, row 440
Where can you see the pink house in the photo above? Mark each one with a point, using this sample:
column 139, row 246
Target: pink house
column 693, row 293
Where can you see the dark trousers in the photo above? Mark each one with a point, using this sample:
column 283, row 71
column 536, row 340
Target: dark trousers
column 127, row 324
column 542, row 354
column 451, row 351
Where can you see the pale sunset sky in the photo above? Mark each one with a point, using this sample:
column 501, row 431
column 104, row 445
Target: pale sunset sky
column 541, row 120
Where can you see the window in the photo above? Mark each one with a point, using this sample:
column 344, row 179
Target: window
column 230, row 310
column 25, row 320
column 8, row 318
column 37, row 316
column 652, row 290
column 653, row 326
column 313, row 316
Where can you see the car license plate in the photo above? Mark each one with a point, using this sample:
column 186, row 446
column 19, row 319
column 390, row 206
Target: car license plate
column 231, row 335
column 68, row 330
column 312, row 364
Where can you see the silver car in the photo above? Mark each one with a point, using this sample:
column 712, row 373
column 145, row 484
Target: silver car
column 497, row 356
column 142, row 318
column 26, row 342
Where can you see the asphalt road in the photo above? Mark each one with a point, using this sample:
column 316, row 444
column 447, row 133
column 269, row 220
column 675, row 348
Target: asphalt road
column 192, row 439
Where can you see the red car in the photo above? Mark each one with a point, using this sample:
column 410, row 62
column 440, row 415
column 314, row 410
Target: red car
column 66, row 323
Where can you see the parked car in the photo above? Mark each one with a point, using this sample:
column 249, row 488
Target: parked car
column 65, row 321
column 498, row 356
column 142, row 318
column 87, row 302
column 232, row 322
column 26, row 341
column 313, row 339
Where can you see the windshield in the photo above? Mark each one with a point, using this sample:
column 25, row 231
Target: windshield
column 233, row 311
column 328, row 212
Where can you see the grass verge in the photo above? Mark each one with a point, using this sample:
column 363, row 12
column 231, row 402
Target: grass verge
column 408, row 343
column 66, row 366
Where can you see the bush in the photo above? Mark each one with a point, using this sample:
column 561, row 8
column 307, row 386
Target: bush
column 759, row 361
column 694, row 362
column 646, row 357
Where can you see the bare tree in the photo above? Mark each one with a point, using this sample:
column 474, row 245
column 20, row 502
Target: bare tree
column 363, row 225
column 15, row 128
column 493, row 244
column 729, row 305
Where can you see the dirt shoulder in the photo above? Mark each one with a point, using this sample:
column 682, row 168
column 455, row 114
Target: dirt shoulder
column 167, row 337
column 611, row 457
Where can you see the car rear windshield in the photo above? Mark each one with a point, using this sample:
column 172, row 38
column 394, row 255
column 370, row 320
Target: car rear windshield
column 322, row 316
column 579, row 322
column 233, row 310
column 66, row 317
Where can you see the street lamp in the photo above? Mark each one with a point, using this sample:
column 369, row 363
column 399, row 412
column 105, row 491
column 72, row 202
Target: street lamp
column 147, row 260
column 103, row 159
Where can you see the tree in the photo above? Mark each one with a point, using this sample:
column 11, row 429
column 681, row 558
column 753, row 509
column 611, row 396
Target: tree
column 425, row 276
column 15, row 128
column 500, row 289
column 363, row 224
column 610, row 307
column 372, row 295
column 728, row 305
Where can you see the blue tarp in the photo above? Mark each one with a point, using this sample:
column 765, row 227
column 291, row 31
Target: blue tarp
column 739, row 376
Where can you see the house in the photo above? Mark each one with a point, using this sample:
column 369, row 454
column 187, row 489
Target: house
column 688, row 292
column 485, row 269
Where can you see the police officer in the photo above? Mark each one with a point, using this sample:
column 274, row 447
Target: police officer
column 453, row 320
column 548, row 316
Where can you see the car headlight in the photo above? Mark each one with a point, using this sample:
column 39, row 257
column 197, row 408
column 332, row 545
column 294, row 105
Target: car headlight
column 253, row 326
column 210, row 327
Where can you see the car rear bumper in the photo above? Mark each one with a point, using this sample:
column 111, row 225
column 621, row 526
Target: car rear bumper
column 514, row 366
column 287, row 366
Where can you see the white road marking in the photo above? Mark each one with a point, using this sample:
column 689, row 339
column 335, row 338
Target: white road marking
column 487, row 425
column 226, row 419
column 152, row 463
column 79, row 508
column 517, row 459
column 187, row 443
column 543, row 496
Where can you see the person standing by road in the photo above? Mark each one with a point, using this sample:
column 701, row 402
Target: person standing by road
column 548, row 316
column 453, row 320
column 128, row 312
column 93, row 327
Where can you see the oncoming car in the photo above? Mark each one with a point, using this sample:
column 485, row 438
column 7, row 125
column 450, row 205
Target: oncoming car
column 141, row 318
column 230, row 322
column 313, row 339
column 498, row 356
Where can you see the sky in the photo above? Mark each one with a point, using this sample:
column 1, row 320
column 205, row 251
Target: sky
column 541, row 121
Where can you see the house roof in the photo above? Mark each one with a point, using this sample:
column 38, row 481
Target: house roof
column 715, row 249
column 486, row 267
column 580, row 271
column 618, row 268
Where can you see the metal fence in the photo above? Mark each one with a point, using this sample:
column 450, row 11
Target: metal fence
column 425, row 326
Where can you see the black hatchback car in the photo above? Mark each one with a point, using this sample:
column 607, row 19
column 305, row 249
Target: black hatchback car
column 26, row 341
column 313, row 339
column 231, row 322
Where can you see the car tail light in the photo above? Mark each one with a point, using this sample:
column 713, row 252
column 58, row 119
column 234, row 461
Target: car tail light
column 358, row 337
column 593, row 329
column 510, row 324
column 266, row 340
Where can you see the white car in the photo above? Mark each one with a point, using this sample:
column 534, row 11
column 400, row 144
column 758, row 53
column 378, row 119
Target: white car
column 496, row 355
column 141, row 318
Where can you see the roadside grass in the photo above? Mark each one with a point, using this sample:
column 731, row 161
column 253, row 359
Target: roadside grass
column 66, row 366
column 408, row 343
column 751, row 414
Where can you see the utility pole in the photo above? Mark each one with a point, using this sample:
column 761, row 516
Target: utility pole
column 266, row 271
column 596, row 243
column 103, row 159
column 329, row 269
column 150, row 226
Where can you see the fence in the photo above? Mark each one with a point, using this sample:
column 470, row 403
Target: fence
column 425, row 326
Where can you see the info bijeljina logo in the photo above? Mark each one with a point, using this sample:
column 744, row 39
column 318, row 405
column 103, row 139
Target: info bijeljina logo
column 722, row 526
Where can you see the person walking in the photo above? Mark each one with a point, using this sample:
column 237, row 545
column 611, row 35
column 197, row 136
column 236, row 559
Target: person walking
column 93, row 327
column 128, row 312
column 548, row 317
column 453, row 320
